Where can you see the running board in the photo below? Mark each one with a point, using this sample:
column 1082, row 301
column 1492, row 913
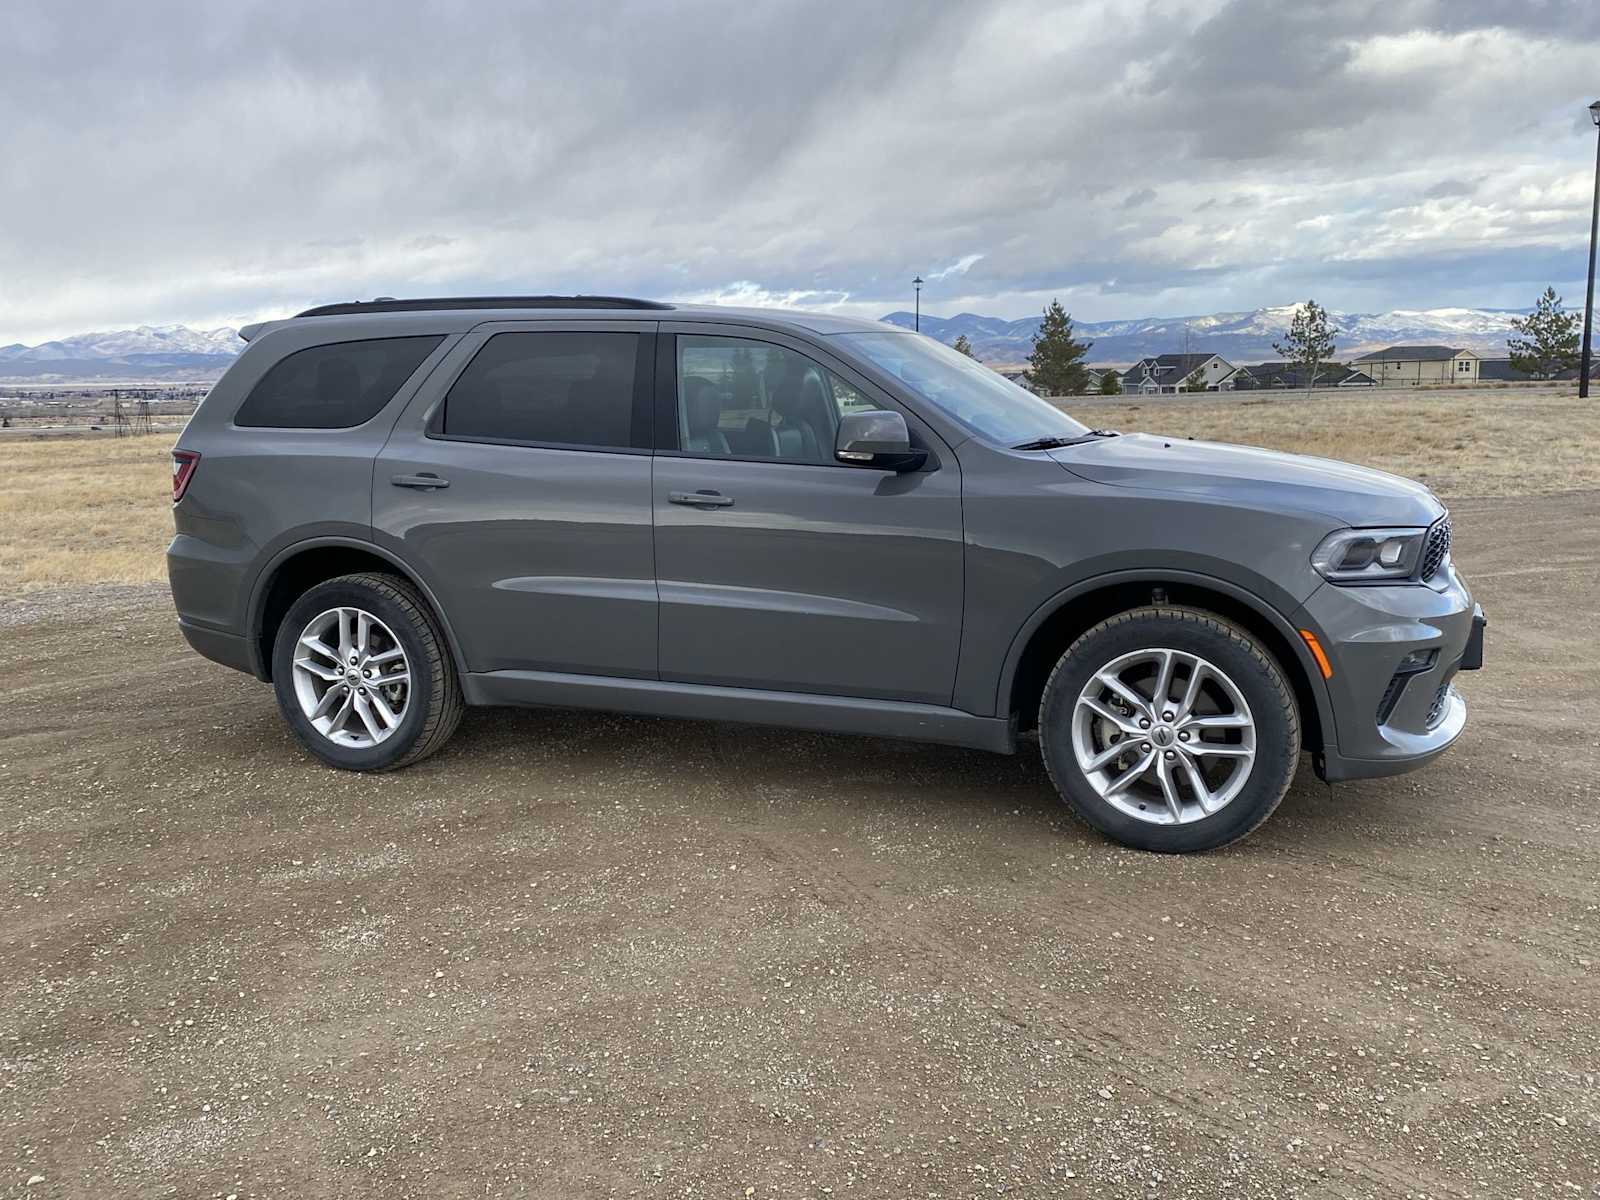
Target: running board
column 749, row 706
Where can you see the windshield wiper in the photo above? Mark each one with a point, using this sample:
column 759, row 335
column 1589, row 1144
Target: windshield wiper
column 1056, row 441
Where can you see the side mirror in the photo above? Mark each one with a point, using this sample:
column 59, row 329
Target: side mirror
column 877, row 439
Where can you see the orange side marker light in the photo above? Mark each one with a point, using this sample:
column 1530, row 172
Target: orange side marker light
column 1318, row 653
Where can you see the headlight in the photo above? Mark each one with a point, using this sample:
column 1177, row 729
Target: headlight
column 1369, row 555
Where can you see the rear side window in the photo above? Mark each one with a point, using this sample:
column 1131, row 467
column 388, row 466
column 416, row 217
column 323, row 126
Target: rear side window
column 333, row 387
column 556, row 388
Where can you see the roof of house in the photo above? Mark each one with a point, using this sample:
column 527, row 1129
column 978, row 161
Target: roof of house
column 1287, row 374
column 1412, row 354
column 1169, row 368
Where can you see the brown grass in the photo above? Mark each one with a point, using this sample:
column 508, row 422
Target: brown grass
column 80, row 510
column 1483, row 442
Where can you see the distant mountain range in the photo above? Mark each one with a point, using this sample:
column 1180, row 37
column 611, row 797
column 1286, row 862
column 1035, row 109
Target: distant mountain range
column 177, row 353
column 150, row 352
column 1240, row 337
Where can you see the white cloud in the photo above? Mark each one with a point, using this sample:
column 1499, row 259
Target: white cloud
column 960, row 267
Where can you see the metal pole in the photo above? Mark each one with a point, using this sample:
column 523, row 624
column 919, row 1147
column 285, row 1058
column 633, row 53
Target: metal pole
column 916, row 321
column 1588, row 302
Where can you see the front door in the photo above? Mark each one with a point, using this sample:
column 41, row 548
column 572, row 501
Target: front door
column 517, row 485
column 778, row 567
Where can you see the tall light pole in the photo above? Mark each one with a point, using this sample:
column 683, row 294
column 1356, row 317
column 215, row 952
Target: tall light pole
column 1594, row 225
column 916, row 321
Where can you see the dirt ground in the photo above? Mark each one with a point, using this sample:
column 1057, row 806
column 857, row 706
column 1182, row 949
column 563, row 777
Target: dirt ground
column 583, row 955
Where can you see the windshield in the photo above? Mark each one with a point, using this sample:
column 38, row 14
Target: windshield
column 988, row 404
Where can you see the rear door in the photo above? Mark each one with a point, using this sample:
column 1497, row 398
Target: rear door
column 778, row 567
column 517, row 485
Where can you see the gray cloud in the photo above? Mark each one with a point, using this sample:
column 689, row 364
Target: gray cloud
column 220, row 162
column 1447, row 188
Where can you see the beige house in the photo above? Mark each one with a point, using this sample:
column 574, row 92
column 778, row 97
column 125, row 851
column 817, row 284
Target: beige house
column 1408, row 366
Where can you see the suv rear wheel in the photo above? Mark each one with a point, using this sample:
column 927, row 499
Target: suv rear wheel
column 363, row 676
column 1169, row 729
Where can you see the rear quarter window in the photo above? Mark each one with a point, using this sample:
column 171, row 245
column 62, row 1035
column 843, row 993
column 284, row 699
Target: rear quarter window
column 559, row 388
column 337, row 386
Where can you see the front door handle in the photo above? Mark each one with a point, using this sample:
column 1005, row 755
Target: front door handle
column 423, row 482
column 702, row 499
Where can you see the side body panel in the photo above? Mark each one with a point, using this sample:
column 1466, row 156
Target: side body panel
column 542, row 557
column 1037, row 533
column 815, row 578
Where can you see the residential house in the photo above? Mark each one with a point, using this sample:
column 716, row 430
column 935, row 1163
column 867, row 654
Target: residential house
column 1287, row 375
column 1409, row 366
column 1500, row 370
column 1170, row 373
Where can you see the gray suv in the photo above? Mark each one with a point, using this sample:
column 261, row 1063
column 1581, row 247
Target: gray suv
column 393, row 509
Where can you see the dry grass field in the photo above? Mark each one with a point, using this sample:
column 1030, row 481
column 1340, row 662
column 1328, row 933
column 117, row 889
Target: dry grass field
column 1488, row 442
column 82, row 510
column 78, row 510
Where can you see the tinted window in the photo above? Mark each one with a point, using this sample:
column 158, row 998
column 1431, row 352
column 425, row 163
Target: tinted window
column 334, row 387
column 558, row 388
column 745, row 399
column 987, row 404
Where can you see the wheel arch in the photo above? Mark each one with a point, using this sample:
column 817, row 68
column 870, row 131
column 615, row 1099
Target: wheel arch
column 307, row 563
column 1062, row 619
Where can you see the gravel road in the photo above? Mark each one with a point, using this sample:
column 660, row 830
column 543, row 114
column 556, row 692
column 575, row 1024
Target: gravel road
column 581, row 955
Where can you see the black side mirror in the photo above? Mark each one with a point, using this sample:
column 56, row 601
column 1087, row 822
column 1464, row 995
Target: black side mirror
column 877, row 439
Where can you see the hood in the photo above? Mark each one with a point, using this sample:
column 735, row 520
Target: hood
column 1263, row 479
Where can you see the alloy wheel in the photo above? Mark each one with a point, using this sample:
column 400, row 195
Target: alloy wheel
column 351, row 677
column 1164, row 736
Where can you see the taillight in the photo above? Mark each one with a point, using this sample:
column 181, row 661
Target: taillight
column 183, row 465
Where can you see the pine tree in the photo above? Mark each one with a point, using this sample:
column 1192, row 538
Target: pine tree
column 1055, row 368
column 1110, row 383
column 1549, row 341
column 1197, row 380
column 1310, row 341
column 962, row 346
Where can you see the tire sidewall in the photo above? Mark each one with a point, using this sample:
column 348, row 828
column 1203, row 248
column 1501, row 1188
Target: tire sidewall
column 403, row 624
column 1231, row 650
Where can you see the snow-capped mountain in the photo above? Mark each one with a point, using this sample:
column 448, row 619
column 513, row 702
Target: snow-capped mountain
column 119, row 343
column 1240, row 337
column 150, row 352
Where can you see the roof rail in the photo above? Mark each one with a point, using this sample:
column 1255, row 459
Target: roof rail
column 435, row 303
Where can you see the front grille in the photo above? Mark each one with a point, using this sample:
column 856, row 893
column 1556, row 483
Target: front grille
column 1437, row 548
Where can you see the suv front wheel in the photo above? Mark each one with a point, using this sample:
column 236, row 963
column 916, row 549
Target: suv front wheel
column 362, row 674
column 1169, row 729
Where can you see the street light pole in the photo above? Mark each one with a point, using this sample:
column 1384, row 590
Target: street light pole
column 1594, row 226
column 916, row 321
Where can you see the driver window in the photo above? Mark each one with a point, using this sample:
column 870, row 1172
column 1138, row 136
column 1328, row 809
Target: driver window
column 739, row 398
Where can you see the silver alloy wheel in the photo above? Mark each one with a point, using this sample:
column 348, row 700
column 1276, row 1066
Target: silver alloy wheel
column 355, row 688
column 1164, row 736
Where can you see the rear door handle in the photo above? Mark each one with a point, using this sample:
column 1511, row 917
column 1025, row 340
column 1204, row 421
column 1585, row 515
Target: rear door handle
column 705, row 499
column 423, row 482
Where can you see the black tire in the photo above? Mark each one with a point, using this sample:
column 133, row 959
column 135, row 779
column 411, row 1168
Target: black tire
column 1253, row 671
column 434, row 708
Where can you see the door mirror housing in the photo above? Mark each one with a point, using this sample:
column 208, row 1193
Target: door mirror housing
column 877, row 439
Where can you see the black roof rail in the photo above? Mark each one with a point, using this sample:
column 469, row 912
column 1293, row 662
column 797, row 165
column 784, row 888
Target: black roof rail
column 435, row 303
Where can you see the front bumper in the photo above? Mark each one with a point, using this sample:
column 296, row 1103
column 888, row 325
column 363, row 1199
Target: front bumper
column 1395, row 652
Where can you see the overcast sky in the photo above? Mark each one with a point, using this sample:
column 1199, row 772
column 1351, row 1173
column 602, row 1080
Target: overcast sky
column 220, row 162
